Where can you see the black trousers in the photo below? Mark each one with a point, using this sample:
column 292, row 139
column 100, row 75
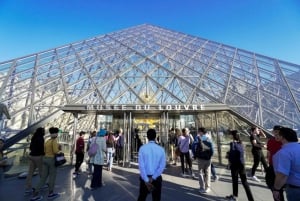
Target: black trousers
column 79, row 160
column 236, row 170
column 156, row 193
column 97, row 176
column 119, row 154
column 188, row 160
column 270, row 179
column 258, row 156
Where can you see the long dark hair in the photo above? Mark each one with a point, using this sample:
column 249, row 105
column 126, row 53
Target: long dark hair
column 40, row 132
column 110, row 137
column 236, row 136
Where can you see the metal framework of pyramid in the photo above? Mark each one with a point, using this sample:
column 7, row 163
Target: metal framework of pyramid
column 167, row 66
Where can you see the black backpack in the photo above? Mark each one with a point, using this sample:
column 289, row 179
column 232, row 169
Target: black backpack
column 234, row 154
column 203, row 149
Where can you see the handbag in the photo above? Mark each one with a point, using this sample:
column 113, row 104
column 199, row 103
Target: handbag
column 93, row 148
column 59, row 159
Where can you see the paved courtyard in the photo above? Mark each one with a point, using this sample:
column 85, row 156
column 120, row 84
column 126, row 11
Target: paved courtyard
column 123, row 184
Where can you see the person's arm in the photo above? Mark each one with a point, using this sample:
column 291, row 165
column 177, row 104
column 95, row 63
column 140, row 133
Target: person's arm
column 192, row 139
column 262, row 134
column 280, row 180
column 257, row 145
column 212, row 148
column 104, row 145
column 56, row 147
column 161, row 165
column 142, row 166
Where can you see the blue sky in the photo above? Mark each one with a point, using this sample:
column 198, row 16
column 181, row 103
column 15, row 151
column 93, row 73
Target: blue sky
column 268, row 27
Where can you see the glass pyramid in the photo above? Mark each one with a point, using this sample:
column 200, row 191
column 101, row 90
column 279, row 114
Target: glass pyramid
column 167, row 66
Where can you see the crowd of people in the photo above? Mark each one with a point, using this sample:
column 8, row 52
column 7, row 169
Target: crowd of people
column 282, row 167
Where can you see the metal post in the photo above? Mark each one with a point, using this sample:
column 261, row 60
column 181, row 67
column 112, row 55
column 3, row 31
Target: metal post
column 167, row 128
column 129, row 139
column 125, row 140
column 218, row 141
column 1, row 122
column 73, row 137
column 96, row 122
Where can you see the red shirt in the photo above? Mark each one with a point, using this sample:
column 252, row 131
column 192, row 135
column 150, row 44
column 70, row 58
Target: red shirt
column 79, row 145
column 273, row 146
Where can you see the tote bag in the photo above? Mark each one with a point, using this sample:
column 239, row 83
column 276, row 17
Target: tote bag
column 93, row 148
column 59, row 158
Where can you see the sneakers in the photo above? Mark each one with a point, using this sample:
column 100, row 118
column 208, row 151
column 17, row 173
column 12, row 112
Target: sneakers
column 195, row 177
column 254, row 178
column 215, row 178
column 184, row 175
column 36, row 198
column 207, row 190
column 53, row 195
column 75, row 174
column 202, row 190
column 231, row 198
column 28, row 191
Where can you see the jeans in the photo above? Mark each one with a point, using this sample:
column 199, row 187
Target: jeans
column 109, row 157
column 213, row 170
column 292, row 194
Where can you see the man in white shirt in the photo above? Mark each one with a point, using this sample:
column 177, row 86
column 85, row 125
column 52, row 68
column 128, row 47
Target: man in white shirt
column 152, row 162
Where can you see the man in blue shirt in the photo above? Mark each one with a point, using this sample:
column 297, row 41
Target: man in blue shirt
column 286, row 164
column 152, row 162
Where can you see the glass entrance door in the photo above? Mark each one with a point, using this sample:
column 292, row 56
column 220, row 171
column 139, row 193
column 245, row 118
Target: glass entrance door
column 140, row 125
column 142, row 122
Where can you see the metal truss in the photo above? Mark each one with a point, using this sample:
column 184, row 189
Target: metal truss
column 148, row 64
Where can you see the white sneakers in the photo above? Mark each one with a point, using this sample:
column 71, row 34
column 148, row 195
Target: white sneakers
column 254, row 178
column 202, row 190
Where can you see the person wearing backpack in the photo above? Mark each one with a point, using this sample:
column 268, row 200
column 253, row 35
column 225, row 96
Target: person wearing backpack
column 202, row 149
column 237, row 167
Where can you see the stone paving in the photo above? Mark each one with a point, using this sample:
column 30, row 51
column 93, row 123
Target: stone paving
column 123, row 184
